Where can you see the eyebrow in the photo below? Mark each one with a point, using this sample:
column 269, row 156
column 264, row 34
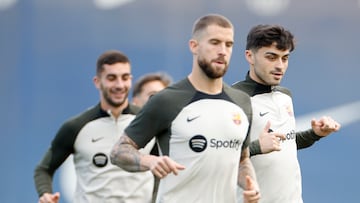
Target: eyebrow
column 219, row 40
column 275, row 54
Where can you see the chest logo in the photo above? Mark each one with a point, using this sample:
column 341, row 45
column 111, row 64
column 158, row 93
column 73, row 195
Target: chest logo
column 96, row 139
column 189, row 119
column 289, row 110
column 198, row 143
column 100, row 160
column 236, row 118
column 261, row 114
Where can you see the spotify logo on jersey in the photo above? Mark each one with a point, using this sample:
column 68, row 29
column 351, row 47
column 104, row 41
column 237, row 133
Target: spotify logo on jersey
column 100, row 160
column 198, row 143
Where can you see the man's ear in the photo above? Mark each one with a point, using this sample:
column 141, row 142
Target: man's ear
column 193, row 45
column 249, row 56
column 96, row 81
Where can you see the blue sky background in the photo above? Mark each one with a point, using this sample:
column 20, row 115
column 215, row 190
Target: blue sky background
column 48, row 51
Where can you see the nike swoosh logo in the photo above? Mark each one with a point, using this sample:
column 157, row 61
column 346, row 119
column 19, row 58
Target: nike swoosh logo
column 263, row 114
column 96, row 139
column 191, row 119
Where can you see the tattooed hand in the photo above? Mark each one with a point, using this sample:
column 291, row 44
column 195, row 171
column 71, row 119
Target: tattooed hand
column 125, row 154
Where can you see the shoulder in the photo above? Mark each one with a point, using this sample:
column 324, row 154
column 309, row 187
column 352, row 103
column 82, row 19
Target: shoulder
column 244, row 86
column 174, row 94
column 236, row 93
column 76, row 122
column 240, row 98
column 283, row 90
column 69, row 130
column 131, row 109
column 166, row 104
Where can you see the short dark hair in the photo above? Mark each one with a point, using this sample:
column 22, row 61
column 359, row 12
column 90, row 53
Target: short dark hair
column 110, row 57
column 210, row 19
column 265, row 35
column 164, row 78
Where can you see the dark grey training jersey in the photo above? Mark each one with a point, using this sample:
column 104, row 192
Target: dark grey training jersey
column 90, row 137
column 205, row 133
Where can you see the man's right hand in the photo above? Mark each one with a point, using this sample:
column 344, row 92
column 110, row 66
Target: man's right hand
column 270, row 141
column 50, row 198
column 161, row 166
column 251, row 192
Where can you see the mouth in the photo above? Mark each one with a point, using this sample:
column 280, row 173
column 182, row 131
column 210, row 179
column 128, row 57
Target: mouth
column 277, row 75
column 220, row 62
column 118, row 93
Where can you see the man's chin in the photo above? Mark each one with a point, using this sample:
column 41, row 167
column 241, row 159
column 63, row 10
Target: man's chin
column 117, row 103
column 275, row 82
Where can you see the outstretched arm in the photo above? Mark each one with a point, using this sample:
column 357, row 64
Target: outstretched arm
column 305, row 139
column 319, row 129
column 126, row 155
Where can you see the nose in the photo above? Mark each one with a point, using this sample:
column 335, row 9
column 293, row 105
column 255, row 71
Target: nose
column 280, row 64
column 120, row 83
column 223, row 49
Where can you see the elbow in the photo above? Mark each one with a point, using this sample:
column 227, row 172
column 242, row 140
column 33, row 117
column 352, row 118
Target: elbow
column 119, row 160
column 125, row 155
column 114, row 158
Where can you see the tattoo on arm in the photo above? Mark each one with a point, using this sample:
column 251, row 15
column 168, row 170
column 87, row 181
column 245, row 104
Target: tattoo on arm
column 245, row 168
column 125, row 154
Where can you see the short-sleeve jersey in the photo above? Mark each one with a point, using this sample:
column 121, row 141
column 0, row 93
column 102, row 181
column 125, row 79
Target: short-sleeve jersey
column 90, row 137
column 278, row 173
column 205, row 133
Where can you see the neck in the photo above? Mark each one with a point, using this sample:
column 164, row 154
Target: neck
column 115, row 111
column 205, row 84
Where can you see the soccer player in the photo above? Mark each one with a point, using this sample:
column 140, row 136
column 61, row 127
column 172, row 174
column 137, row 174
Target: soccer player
column 148, row 85
column 201, row 127
column 274, row 141
column 90, row 135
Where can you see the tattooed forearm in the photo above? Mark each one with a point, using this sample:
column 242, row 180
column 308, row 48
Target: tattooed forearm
column 245, row 168
column 125, row 154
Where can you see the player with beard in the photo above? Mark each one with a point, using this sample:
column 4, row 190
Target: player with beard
column 201, row 126
column 90, row 136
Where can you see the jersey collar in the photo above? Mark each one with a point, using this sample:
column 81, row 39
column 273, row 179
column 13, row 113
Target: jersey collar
column 257, row 87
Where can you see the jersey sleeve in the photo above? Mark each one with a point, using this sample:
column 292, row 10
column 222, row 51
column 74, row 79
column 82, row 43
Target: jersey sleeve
column 151, row 120
column 156, row 116
column 255, row 148
column 306, row 138
column 61, row 147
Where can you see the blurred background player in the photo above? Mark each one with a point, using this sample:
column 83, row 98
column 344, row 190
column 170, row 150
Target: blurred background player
column 90, row 135
column 147, row 85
